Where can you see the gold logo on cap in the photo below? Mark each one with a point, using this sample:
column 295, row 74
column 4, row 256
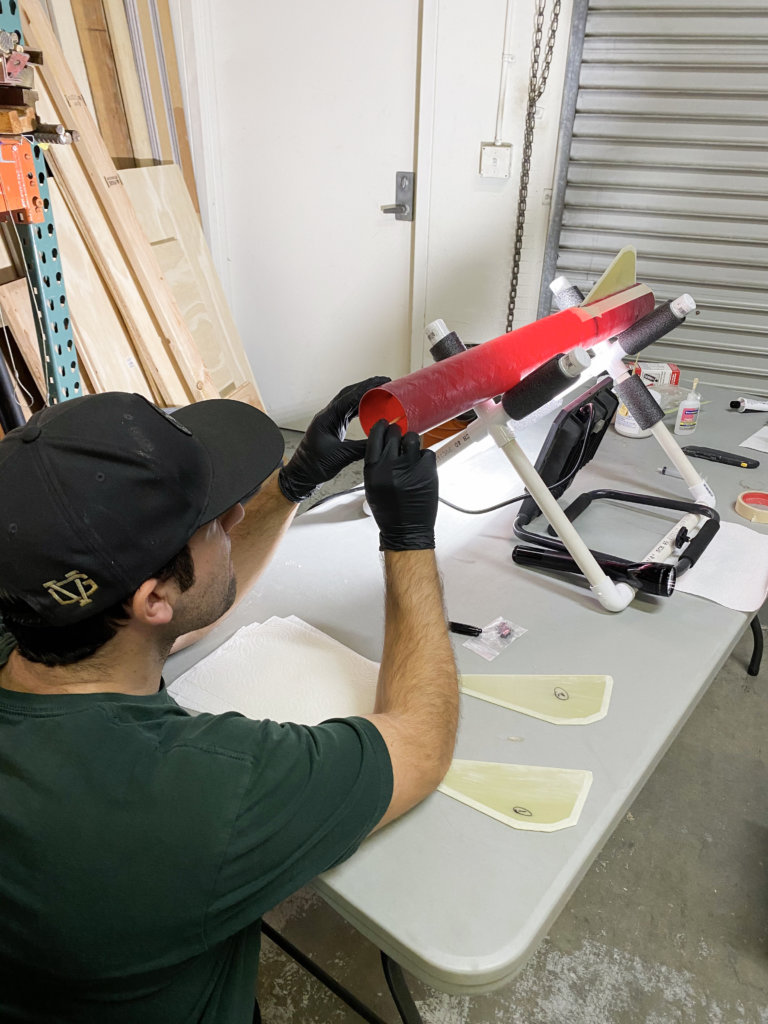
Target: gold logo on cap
column 75, row 588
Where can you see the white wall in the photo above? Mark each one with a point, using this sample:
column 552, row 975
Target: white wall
column 306, row 113
column 462, row 236
column 464, row 248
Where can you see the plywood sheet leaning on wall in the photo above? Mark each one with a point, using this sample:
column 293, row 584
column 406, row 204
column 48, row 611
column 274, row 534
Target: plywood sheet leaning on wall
column 103, row 207
column 171, row 224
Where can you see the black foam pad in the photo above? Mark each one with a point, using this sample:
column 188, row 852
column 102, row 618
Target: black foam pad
column 449, row 345
column 642, row 405
column 535, row 390
column 568, row 297
column 650, row 328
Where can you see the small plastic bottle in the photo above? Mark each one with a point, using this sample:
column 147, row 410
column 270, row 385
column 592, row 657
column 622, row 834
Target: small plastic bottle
column 688, row 411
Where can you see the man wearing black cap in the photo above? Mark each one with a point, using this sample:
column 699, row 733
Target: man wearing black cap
column 139, row 845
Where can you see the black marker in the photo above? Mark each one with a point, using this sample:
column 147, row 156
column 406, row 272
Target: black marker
column 464, row 629
column 695, row 451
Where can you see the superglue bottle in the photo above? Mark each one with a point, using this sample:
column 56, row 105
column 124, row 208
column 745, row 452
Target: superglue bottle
column 688, row 411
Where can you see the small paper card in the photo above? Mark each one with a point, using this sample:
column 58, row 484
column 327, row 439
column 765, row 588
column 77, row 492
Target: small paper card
column 757, row 441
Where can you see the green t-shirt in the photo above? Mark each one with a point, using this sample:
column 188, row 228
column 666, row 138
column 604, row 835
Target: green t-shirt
column 139, row 846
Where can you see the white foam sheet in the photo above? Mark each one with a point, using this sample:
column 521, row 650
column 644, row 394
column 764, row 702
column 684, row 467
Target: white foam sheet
column 733, row 571
column 281, row 669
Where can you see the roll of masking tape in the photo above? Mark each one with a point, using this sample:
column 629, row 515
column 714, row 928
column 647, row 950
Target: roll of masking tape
column 753, row 505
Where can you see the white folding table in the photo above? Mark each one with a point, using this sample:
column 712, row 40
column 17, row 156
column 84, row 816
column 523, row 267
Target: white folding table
column 456, row 897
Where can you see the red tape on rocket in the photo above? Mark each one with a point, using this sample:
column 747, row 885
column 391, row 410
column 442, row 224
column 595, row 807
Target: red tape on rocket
column 436, row 393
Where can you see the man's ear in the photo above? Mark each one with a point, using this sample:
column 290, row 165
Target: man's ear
column 154, row 601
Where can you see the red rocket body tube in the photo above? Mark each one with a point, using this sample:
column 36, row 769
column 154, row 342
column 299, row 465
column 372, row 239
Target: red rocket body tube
column 423, row 399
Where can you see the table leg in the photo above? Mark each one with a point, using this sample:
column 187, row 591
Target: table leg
column 326, row 979
column 757, row 649
column 398, row 986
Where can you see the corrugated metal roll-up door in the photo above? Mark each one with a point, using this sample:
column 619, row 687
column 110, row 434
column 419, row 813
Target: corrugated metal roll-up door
column 669, row 153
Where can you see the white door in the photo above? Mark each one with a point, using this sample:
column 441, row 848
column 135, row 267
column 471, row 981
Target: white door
column 306, row 113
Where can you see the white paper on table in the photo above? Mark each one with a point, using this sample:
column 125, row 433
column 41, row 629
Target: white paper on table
column 757, row 441
column 733, row 571
column 284, row 670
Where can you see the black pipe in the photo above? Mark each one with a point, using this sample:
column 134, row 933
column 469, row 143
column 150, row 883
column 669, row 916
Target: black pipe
column 10, row 411
column 657, row 578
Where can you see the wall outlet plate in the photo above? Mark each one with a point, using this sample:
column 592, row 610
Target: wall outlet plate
column 495, row 159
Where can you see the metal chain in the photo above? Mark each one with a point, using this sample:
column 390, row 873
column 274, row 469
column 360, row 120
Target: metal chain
column 537, row 82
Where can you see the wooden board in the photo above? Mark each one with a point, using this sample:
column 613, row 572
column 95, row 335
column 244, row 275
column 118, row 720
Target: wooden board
column 247, row 393
column 176, row 98
column 24, row 387
column 150, row 63
column 100, row 206
column 171, row 224
column 158, row 366
column 102, row 76
column 10, row 267
column 17, row 314
column 114, row 11
column 102, row 343
column 63, row 21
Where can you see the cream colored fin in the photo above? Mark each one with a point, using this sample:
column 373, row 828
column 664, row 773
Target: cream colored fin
column 562, row 699
column 523, row 796
column 621, row 274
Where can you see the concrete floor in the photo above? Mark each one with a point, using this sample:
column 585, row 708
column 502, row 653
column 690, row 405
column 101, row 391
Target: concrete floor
column 669, row 926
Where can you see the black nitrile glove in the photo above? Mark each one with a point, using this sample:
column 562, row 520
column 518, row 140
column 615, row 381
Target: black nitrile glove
column 401, row 488
column 323, row 452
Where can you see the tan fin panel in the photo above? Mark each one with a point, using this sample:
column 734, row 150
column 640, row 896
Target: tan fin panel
column 622, row 273
column 523, row 796
column 561, row 699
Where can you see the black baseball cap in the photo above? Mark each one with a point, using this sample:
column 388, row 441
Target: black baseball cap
column 98, row 493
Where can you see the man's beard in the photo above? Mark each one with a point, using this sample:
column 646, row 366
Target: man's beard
column 207, row 609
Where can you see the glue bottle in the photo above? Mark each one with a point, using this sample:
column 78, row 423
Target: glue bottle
column 688, row 411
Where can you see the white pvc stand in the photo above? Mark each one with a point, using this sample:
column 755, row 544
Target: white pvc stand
column 492, row 420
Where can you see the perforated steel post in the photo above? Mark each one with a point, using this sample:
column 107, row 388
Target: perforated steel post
column 45, row 275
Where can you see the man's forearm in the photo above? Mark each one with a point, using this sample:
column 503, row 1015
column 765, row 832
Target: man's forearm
column 418, row 680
